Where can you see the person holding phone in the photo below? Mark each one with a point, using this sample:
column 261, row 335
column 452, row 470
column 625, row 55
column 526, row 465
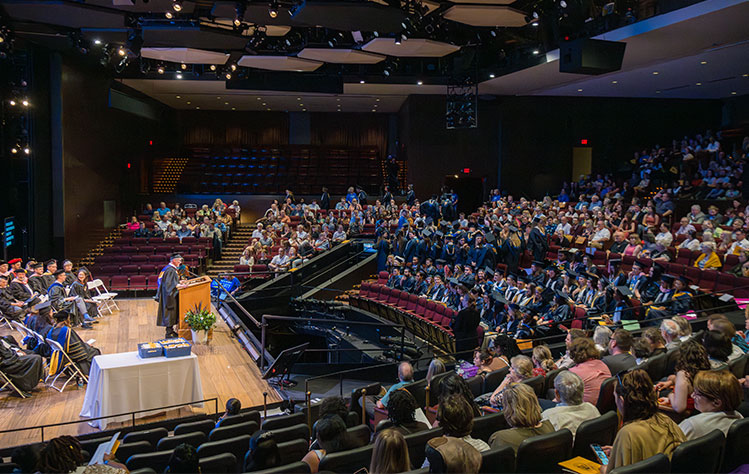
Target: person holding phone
column 646, row 431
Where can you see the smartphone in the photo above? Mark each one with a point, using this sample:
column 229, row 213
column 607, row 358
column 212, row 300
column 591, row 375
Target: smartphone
column 599, row 452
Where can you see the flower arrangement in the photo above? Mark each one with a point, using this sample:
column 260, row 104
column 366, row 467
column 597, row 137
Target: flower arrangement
column 200, row 318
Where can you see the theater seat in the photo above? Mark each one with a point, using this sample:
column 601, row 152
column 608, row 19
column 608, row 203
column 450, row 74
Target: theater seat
column 703, row 454
column 497, row 460
column 285, row 421
column 352, row 460
column 152, row 436
column 601, row 430
column 158, row 461
column 220, row 463
column 293, row 468
column 231, row 431
column 194, row 439
column 543, row 453
column 658, row 464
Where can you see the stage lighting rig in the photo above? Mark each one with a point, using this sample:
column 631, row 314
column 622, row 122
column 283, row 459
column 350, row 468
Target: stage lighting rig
column 462, row 103
column 240, row 8
column 177, row 5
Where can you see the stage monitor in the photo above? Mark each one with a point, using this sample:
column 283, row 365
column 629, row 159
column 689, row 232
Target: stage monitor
column 285, row 361
column 589, row 56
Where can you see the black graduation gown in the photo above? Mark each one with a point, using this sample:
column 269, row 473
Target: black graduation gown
column 24, row 371
column 22, row 292
column 80, row 289
column 538, row 245
column 167, row 297
column 37, row 283
column 464, row 328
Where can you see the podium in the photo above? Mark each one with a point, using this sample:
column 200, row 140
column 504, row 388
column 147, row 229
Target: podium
column 192, row 293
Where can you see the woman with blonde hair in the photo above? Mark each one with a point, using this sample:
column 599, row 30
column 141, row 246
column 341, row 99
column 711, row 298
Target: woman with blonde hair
column 523, row 413
column 390, row 453
column 708, row 259
column 542, row 360
column 521, row 368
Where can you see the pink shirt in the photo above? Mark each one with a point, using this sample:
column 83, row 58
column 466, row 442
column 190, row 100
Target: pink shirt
column 593, row 372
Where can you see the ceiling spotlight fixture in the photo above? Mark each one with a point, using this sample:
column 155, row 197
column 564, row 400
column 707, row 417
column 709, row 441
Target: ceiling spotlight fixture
column 614, row 82
column 14, row 150
column 698, row 84
column 177, row 5
column 563, row 4
column 25, row 102
column 579, row 90
column 239, row 10
column 121, row 52
column 534, row 23
column 160, row 69
column 361, row 82
column 492, row 76
column 183, row 66
column 97, row 41
column 12, row 102
column 398, row 39
column 418, row 83
column 703, row 62
column 233, row 67
column 228, row 76
column 535, row 51
column 27, row 150
column 273, row 10
column 655, row 73
column 179, row 76
column 169, row 15
column 213, row 67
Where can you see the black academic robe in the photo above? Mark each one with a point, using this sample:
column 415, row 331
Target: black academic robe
column 81, row 289
column 538, row 244
column 464, row 329
column 167, row 297
column 37, row 283
column 411, row 197
column 24, row 371
column 325, row 201
column 22, row 292
column 78, row 350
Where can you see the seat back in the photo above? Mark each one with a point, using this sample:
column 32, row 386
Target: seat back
column 549, row 380
column 737, row 445
column 703, row 454
column 738, row 366
column 152, row 436
column 653, row 465
column 194, row 439
column 129, row 449
column 418, row 390
column 284, row 421
column 359, row 435
column 236, row 446
column 416, row 443
column 544, row 453
column 434, row 387
column 537, row 384
column 476, row 385
column 293, row 468
column 204, row 426
column 656, row 367
column 372, row 389
column 239, row 418
column 220, row 463
column 494, row 378
column 487, row 425
column 497, row 460
column 606, row 396
column 293, row 450
column 231, row 431
column 300, row 431
column 601, row 430
column 345, row 462
column 157, row 461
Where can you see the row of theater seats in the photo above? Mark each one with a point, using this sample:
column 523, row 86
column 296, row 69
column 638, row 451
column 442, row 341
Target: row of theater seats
column 423, row 317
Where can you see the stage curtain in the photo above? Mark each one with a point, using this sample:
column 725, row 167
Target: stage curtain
column 350, row 130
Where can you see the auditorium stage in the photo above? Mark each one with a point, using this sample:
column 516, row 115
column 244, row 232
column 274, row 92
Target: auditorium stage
column 226, row 371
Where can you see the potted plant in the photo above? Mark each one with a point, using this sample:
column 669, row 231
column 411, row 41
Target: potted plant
column 201, row 320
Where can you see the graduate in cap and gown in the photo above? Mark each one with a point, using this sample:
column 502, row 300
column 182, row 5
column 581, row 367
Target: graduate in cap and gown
column 79, row 351
column 25, row 371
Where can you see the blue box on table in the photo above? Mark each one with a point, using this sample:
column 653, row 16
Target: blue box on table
column 147, row 350
column 176, row 347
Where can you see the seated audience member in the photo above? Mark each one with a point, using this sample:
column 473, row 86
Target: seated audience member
column 227, row 284
column 405, row 376
column 486, row 362
column 184, row 458
column 402, row 412
column 74, row 305
column 521, row 368
column 655, row 341
column 691, row 359
column 280, row 262
column 331, row 438
column 436, row 367
column 718, row 348
column 566, row 361
column 589, row 367
column 601, row 338
column 79, row 352
column 671, row 333
column 233, row 406
column 454, row 384
column 80, row 288
column 263, row 453
column 708, row 259
column 717, row 395
column 26, row 457
column 25, row 371
column 646, row 431
column 641, row 350
column 390, row 453
column 726, row 327
column 10, row 307
column 542, row 360
column 60, row 455
column 523, row 413
column 456, row 420
column 571, row 410
column 619, row 358
column 685, row 329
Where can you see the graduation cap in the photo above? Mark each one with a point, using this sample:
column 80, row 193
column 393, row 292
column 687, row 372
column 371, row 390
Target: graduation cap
column 444, row 224
column 14, row 261
column 50, row 262
column 658, row 266
column 399, row 259
column 513, row 276
column 490, row 238
column 523, row 278
column 20, row 270
column 37, row 265
column 427, row 233
column 176, row 256
column 640, row 263
column 624, row 291
column 438, row 234
column 66, row 262
column 440, row 261
column 489, row 272
column 59, row 272
column 570, row 273
column 668, row 279
column 538, row 263
column 499, row 297
column 453, row 281
column 43, row 305
column 684, row 279
column 422, row 273
column 513, row 228
column 456, row 223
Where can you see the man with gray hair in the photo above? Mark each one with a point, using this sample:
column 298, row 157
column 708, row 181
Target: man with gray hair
column 571, row 410
column 670, row 331
column 405, row 376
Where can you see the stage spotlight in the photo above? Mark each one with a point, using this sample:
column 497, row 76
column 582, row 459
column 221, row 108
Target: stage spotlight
column 14, row 150
column 169, row 15
column 239, row 10
column 27, row 150
column 227, row 75
column 535, row 51
column 177, row 5
column 160, row 69
column 25, row 102
column 183, row 66
column 179, row 76
column 122, row 52
column 213, row 67
column 12, row 102
column 233, row 67
column 563, row 4
column 273, row 10
column 398, row 39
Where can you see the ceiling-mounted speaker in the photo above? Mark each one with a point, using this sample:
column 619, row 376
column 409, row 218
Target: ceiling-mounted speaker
column 590, row 56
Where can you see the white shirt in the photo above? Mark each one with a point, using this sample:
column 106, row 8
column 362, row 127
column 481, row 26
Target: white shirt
column 664, row 238
column 570, row 416
column 601, row 235
column 742, row 244
column 257, row 234
column 280, row 261
column 566, row 228
column 699, row 425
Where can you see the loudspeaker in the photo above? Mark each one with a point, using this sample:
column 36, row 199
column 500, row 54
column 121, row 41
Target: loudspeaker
column 589, row 56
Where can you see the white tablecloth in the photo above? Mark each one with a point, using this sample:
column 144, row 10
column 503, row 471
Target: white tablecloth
column 119, row 383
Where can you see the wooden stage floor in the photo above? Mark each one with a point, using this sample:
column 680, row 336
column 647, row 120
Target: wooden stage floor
column 226, row 371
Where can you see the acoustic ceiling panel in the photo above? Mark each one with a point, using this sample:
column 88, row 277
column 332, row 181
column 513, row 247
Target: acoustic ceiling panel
column 486, row 15
column 340, row 56
column 185, row 55
column 413, row 48
column 279, row 63
column 72, row 15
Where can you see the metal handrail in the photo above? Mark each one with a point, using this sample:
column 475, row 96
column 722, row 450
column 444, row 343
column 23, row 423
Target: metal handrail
column 130, row 413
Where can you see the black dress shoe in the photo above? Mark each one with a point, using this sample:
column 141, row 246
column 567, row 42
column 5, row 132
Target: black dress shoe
column 171, row 334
